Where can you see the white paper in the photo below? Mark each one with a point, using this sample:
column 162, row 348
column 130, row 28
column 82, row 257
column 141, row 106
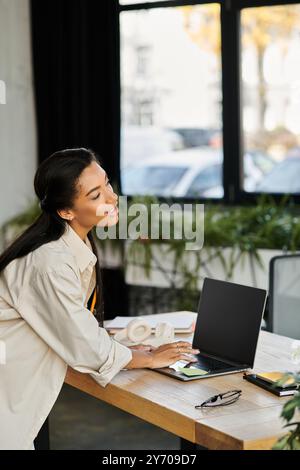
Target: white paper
column 178, row 321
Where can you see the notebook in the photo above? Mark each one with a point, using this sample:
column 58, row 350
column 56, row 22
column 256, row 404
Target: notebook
column 269, row 384
column 273, row 377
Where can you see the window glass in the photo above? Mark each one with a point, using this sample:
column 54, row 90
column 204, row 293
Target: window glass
column 271, row 97
column 170, row 78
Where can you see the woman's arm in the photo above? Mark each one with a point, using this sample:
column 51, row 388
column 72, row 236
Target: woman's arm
column 51, row 302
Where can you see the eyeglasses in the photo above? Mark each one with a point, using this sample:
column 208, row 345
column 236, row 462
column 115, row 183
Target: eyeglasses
column 226, row 398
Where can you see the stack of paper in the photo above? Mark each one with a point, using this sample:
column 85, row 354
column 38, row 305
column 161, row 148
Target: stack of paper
column 183, row 322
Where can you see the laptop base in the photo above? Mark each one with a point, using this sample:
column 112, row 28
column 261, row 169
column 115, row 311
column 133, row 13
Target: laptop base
column 178, row 375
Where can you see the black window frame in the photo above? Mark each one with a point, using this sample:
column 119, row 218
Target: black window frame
column 230, row 14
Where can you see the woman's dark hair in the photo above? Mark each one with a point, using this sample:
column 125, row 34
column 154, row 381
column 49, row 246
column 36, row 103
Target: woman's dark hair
column 55, row 184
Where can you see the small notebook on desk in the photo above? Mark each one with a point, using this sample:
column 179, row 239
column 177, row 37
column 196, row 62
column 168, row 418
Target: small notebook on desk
column 267, row 381
column 183, row 322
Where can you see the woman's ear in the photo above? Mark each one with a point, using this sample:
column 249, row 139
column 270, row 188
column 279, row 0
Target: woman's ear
column 66, row 214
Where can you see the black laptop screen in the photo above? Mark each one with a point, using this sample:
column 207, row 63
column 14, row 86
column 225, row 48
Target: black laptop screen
column 229, row 320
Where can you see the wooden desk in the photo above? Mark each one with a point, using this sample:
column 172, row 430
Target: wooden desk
column 253, row 422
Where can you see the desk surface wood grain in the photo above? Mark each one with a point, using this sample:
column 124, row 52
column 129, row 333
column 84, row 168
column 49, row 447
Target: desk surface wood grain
column 253, row 422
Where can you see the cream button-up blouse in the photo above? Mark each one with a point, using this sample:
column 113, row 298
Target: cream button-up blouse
column 44, row 327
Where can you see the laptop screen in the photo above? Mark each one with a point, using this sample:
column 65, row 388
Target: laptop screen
column 229, row 320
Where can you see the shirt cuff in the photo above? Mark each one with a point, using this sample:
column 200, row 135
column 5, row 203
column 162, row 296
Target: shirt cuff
column 119, row 356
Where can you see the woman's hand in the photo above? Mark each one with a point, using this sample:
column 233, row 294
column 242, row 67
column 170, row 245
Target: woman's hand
column 168, row 354
column 142, row 347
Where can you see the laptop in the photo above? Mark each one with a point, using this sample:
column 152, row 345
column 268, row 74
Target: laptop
column 226, row 332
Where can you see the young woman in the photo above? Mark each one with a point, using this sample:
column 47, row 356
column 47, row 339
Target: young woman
column 48, row 276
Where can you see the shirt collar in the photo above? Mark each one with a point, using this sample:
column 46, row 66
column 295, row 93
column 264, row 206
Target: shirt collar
column 80, row 249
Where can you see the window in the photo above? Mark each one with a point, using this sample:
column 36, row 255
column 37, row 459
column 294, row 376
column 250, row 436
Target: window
column 207, row 183
column 152, row 179
column 221, row 77
column 271, row 98
column 284, row 178
column 170, row 78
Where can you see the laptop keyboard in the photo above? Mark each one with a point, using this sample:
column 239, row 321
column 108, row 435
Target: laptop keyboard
column 208, row 364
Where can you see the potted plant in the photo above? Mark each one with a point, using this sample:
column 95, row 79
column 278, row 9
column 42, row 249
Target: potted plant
column 291, row 441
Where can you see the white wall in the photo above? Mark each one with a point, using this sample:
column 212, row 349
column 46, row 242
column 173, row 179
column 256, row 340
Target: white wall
column 18, row 152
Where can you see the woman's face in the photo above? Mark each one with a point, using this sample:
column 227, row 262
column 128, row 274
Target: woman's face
column 95, row 202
